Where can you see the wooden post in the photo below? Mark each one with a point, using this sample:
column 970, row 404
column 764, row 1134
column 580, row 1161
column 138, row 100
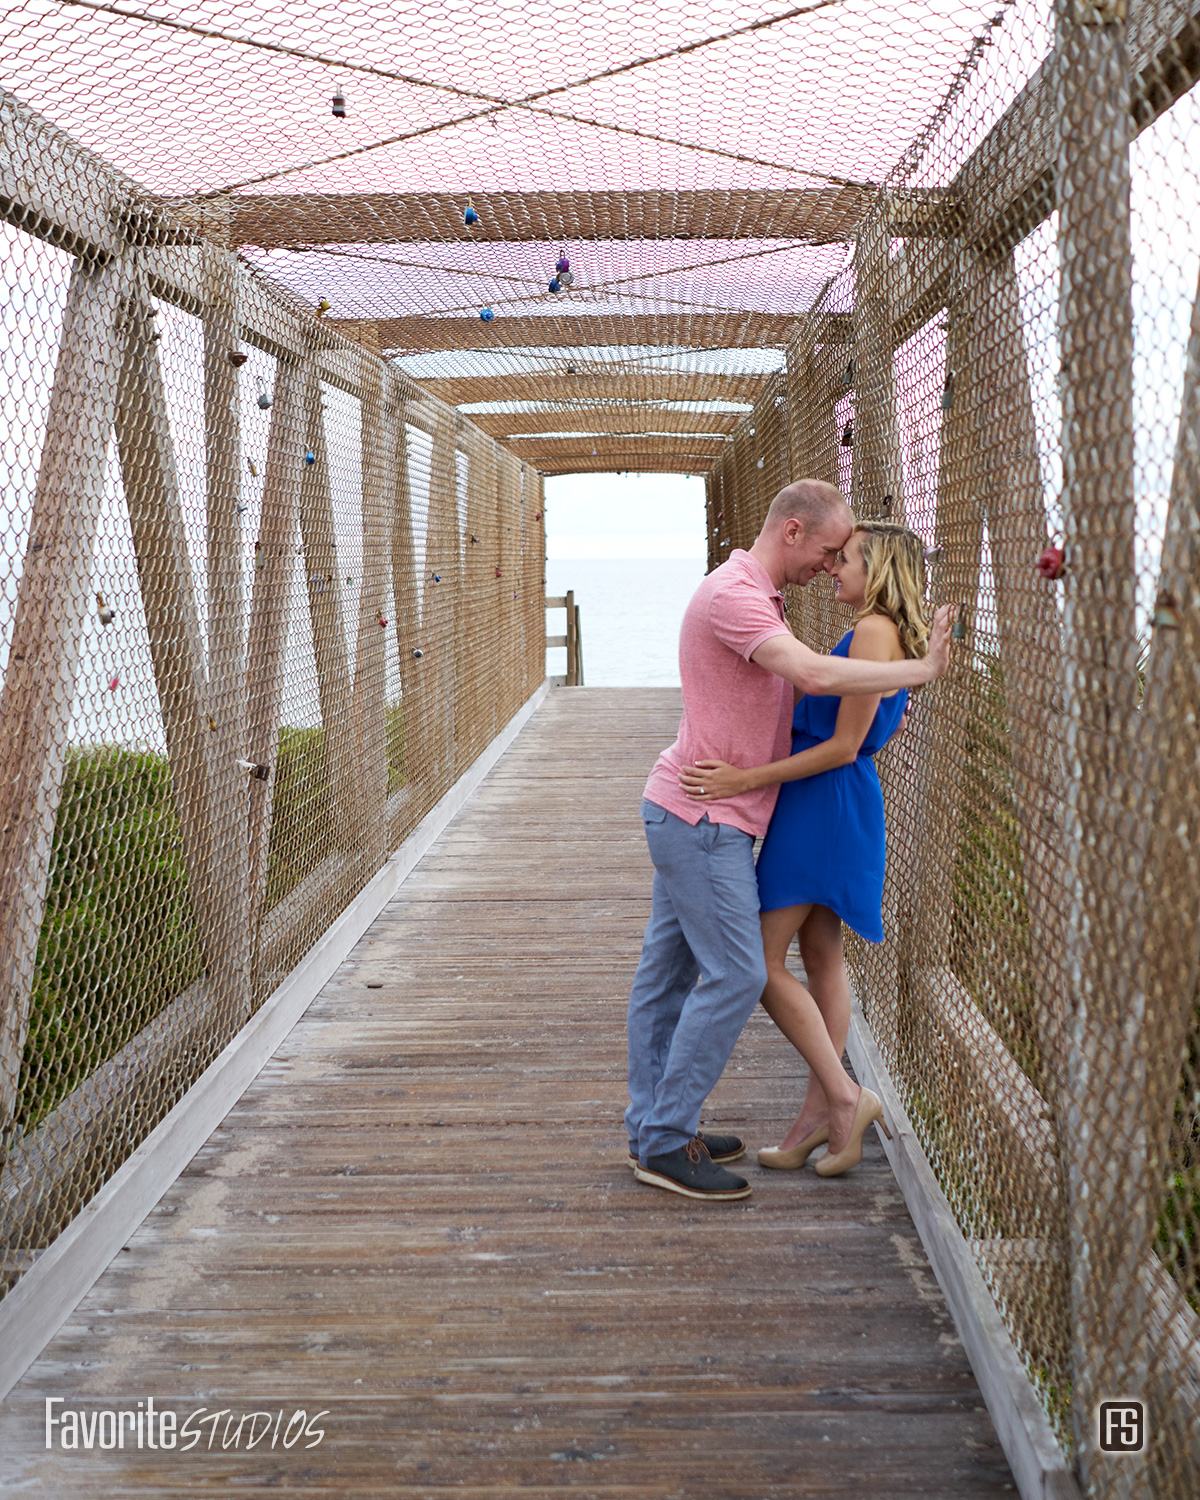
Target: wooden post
column 53, row 599
column 1105, row 1144
column 369, row 701
column 875, row 472
column 1030, row 635
column 578, row 648
column 439, row 608
column 270, row 608
column 508, row 499
column 875, row 469
column 480, row 580
column 813, row 447
column 571, row 627
column 323, row 584
column 947, row 709
column 226, row 632
column 411, row 638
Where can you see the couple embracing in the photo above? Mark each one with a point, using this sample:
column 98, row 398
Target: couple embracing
column 775, row 739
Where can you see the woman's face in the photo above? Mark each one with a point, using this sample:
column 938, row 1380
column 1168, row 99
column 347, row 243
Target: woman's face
column 850, row 572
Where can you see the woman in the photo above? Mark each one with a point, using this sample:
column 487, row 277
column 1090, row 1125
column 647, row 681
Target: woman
column 821, row 863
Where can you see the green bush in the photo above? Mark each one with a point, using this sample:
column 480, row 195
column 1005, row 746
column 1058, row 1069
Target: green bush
column 118, row 938
column 302, row 812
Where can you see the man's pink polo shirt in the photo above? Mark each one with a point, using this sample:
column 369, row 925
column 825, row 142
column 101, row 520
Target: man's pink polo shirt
column 733, row 709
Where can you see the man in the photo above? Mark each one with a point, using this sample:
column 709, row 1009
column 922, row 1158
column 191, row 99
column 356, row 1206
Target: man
column 702, row 971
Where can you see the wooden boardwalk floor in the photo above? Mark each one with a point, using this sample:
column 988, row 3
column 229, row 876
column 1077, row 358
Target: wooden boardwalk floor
column 419, row 1221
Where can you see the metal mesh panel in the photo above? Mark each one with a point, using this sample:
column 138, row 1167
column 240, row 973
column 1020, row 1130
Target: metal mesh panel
column 237, row 668
column 256, row 617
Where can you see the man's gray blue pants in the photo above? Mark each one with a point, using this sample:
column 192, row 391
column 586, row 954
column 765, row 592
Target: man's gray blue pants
column 700, row 976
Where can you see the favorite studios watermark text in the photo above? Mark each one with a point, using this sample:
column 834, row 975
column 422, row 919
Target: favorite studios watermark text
column 148, row 1426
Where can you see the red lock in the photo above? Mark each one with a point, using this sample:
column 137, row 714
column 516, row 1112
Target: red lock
column 498, row 573
column 1052, row 564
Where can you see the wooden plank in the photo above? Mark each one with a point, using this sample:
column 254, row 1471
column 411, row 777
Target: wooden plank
column 1105, row 1088
column 52, row 602
column 46, row 1296
column 561, row 329
column 269, row 221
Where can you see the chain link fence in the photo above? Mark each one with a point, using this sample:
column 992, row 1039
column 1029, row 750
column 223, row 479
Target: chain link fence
column 1023, row 388
column 264, row 600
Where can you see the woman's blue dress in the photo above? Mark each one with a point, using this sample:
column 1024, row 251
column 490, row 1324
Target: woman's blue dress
column 825, row 843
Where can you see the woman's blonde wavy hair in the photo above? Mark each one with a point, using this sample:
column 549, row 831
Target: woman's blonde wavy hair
column 895, row 563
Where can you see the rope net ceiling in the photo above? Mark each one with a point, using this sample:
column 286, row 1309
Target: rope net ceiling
column 704, row 169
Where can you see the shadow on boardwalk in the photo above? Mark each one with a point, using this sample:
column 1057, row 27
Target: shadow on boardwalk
column 419, row 1221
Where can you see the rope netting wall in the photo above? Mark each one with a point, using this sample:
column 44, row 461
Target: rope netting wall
column 256, row 615
column 1025, row 391
column 264, row 600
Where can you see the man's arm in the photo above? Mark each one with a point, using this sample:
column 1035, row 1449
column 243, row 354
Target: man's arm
column 838, row 676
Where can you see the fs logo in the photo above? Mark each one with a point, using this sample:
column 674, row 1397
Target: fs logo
column 1122, row 1427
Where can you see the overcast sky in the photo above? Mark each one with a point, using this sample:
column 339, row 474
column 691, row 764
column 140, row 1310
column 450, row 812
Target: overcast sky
column 624, row 515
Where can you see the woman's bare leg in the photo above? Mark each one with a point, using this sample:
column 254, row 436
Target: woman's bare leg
column 829, row 984
column 799, row 1017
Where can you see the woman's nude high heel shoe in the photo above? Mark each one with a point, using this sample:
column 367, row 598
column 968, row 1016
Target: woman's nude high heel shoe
column 868, row 1111
column 788, row 1161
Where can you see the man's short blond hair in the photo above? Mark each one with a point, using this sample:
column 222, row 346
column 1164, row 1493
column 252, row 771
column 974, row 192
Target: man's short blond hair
column 809, row 501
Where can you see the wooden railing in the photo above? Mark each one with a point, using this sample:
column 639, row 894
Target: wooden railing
column 573, row 640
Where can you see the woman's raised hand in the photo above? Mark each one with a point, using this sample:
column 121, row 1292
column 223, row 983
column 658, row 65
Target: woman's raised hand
column 711, row 780
column 938, row 658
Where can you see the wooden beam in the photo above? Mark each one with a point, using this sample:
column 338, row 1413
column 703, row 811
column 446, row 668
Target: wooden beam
column 562, row 329
column 380, row 419
column 556, row 384
column 160, row 543
column 226, row 633
column 1104, row 1119
column 269, row 614
column 613, row 420
column 410, row 633
column 540, row 452
column 53, row 600
column 808, row 214
column 324, row 584
column 624, row 461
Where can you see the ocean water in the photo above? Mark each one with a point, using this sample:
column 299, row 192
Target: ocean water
column 630, row 610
